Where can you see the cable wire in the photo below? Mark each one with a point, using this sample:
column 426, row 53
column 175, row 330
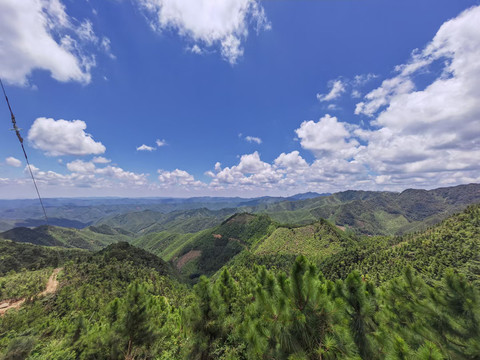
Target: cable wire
column 17, row 131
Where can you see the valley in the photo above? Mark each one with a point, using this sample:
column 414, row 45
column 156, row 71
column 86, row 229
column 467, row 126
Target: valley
column 219, row 283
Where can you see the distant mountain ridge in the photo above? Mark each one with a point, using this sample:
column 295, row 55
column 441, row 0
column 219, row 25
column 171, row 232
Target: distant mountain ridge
column 368, row 212
column 379, row 213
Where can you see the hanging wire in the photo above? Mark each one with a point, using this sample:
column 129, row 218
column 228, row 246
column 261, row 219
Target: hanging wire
column 17, row 131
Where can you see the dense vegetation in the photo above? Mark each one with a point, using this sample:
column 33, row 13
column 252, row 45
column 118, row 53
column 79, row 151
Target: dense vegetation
column 17, row 256
column 346, row 296
column 140, row 314
column 368, row 212
column 377, row 212
column 91, row 238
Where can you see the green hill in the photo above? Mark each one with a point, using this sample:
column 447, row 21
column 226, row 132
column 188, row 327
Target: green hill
column 207, row 251
column 453, row 243
column 317, row 240
column 163, row 244
column 377, row 213
column 185, row 221
column 16, row 256
column 91, row 238
column 415, row 296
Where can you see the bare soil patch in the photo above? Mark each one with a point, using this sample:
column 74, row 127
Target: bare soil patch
column 51, row 287
column 191, row 255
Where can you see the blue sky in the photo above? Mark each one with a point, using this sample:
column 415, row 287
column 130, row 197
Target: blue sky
column 239, row 97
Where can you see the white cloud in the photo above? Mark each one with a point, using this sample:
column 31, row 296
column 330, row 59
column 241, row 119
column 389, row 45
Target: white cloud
column 13, row 161
column 254, row 139
column 434, row 132
column 80, row 166
column 209, row 22
column 426, row 137
column 105, row 44
column 84, row 175
column 54, row 179
column 196, row 49
column 291, row 161
column 123, row 175
column 362, row 79
column 62, row 137
column 145, row 148
column 101, row 160
column 178, row 178
column 337, row 88
column 383, row 95
column 356, row 94
column 38, row 34
column 161, row 143
column 251, row 172
column 327, row 137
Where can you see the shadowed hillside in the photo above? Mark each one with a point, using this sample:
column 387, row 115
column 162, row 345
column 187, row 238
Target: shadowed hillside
column 92, row 238
column 378, row 213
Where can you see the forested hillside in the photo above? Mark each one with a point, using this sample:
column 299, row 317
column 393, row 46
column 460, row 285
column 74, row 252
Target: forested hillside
column 377, row 213
column 91, row 238
column 367, row 212
column 274, row 291
column 188, row 221
column 141, row 312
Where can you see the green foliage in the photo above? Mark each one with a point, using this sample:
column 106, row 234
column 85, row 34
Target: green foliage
column 376, row 212
column 88, row 239
column 163, row 244
column 315, row 241
column 409, row 297
column 23, row 284
column 17, row 256
column 296, row 318
column 19, row 348
column 182, row 222
column 217, row 246
column 453, row 243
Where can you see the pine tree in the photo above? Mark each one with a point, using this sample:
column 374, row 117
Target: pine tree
column 295, row 318
column 135, row 323
column 360, row 309
column 204, row 322
column 459, row 324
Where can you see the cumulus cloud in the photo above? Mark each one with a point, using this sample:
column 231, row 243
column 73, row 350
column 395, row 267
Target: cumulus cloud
column 128, row 177
column 101, row 160
column 291, row 161
column 39, row 34
column 63, row 137
column 209, row 22
column 54, row 179
column 383, row 95
column 433, row 132
column 326, row 137
column 178, row 177
column 80, row 166
column 145, row 148
column 337, row 88
column 13, row 161
column 416, row 137
column 161, row 143
column 253, row 139
column 251, row 172
column 85, row 175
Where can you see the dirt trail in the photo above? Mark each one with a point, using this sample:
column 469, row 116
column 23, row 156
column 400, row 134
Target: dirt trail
column 52, row 286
